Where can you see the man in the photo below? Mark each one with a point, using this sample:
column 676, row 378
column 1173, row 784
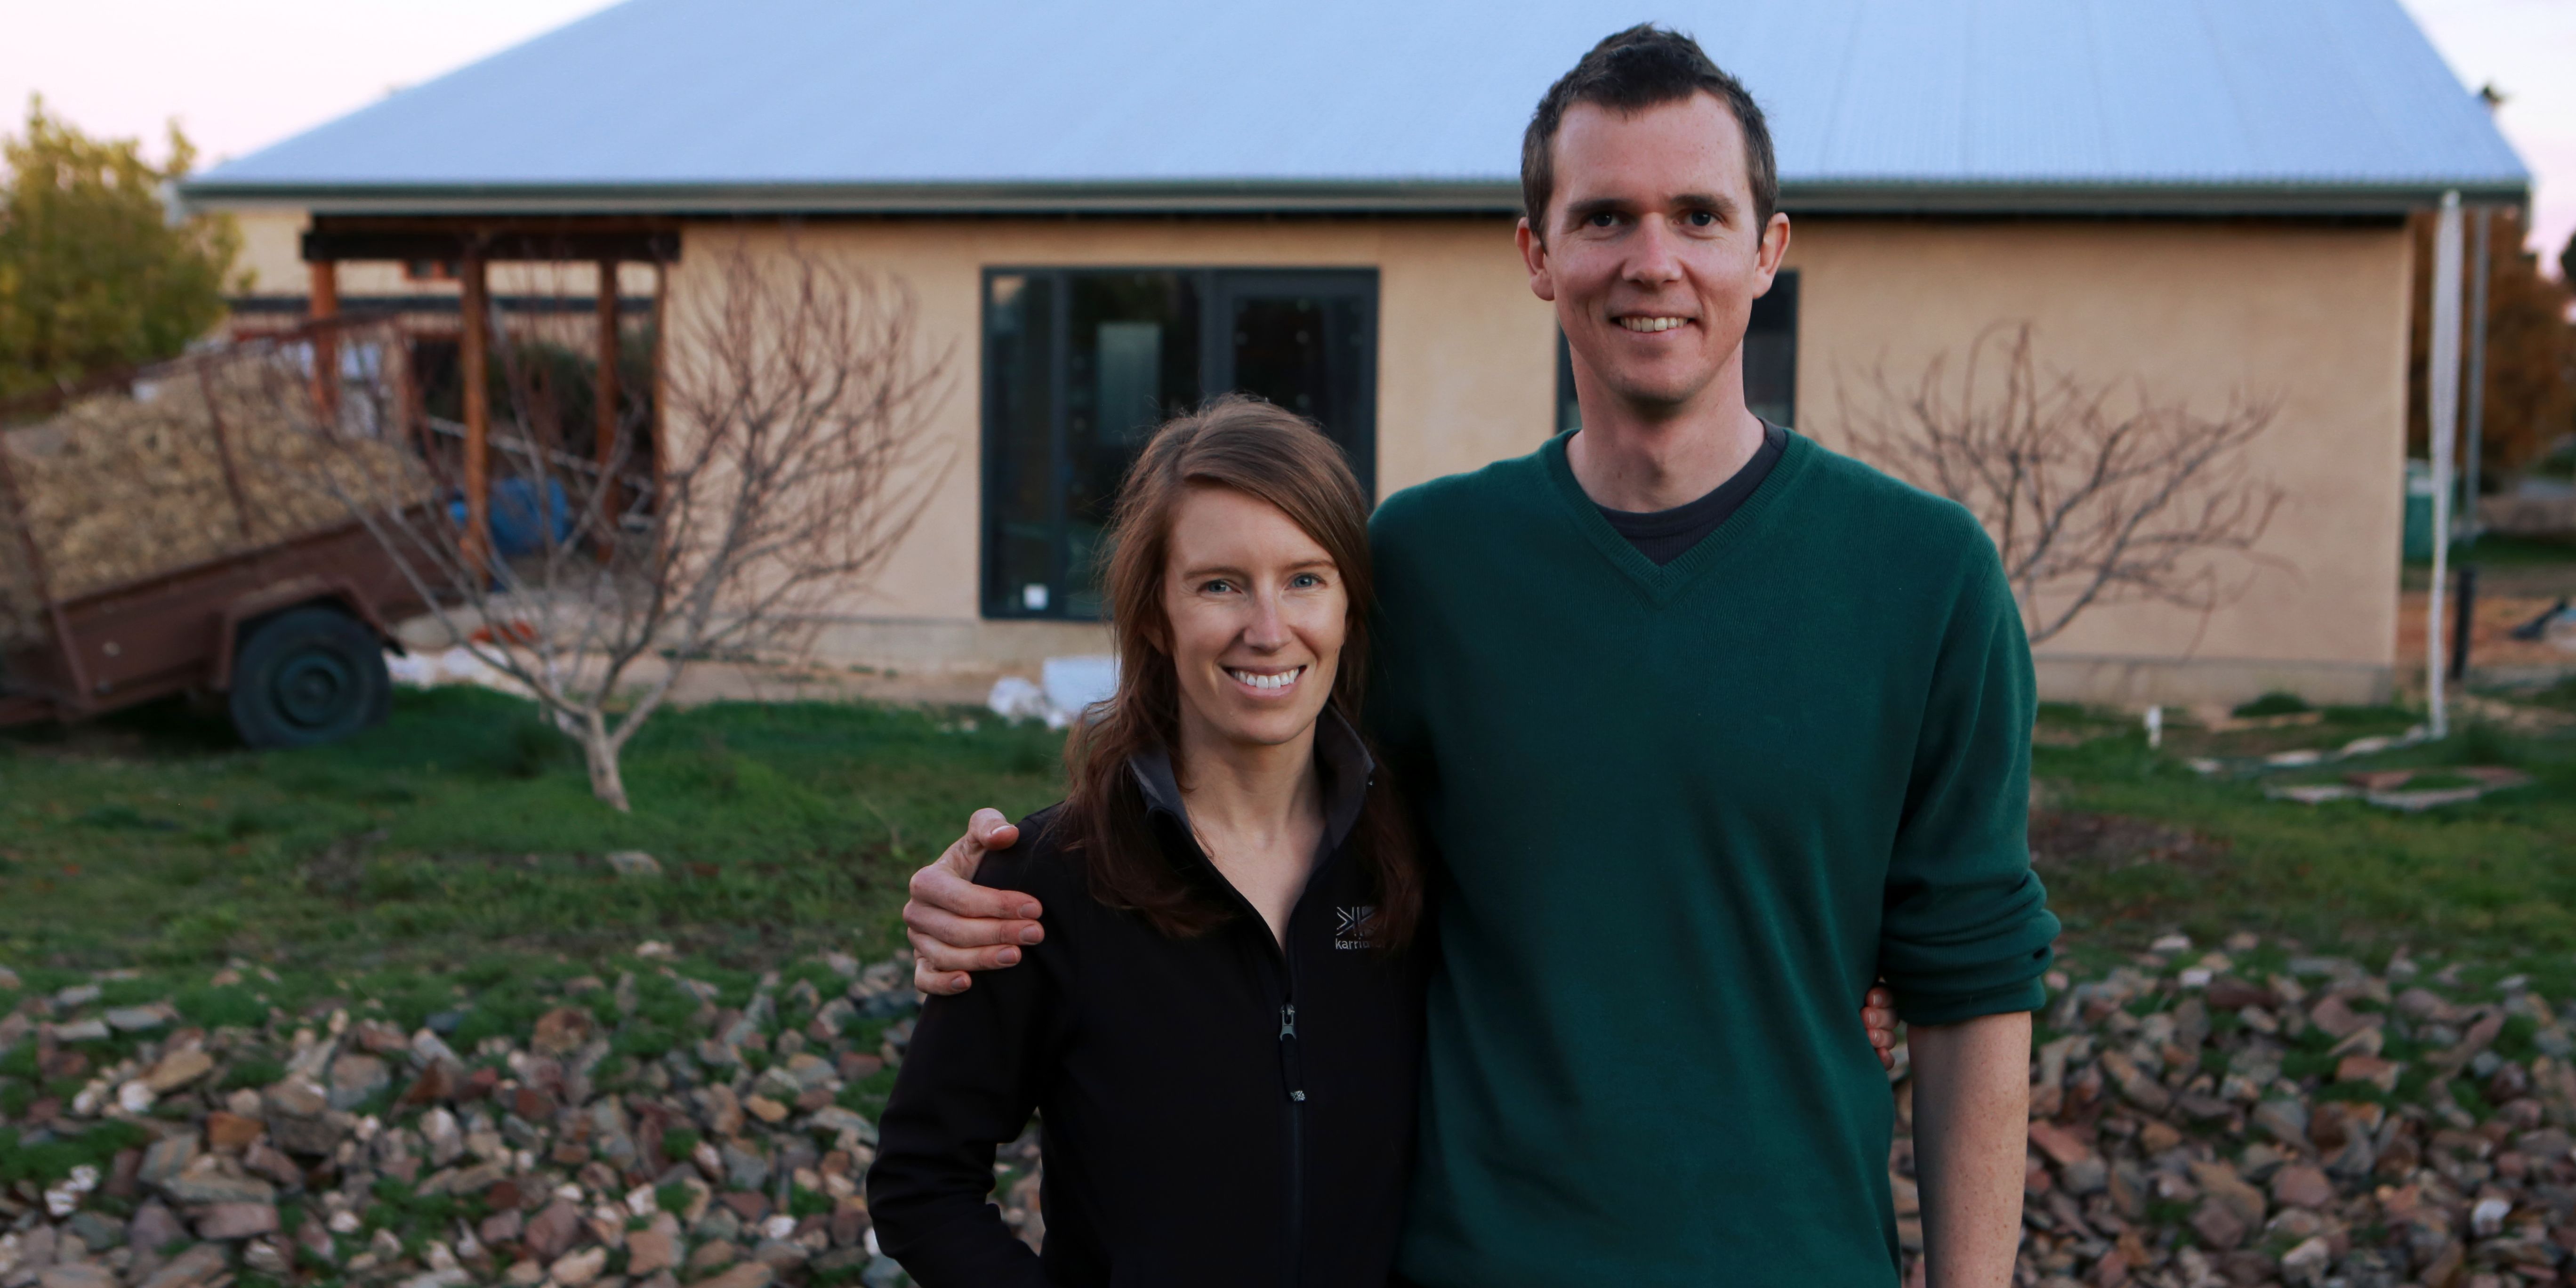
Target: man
column 1683, row 653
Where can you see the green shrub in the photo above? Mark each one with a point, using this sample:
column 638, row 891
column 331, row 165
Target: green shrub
column 2275, row 703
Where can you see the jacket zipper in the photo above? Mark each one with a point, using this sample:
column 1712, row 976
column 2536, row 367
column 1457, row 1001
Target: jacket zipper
column 1294, row 1076
column 1291, row 1068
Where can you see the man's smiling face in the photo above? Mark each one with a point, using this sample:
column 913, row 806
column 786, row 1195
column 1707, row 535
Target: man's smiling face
column 1651, row 253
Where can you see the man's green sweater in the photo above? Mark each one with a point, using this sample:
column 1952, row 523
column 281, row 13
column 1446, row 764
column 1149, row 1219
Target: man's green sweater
column 1684, row 816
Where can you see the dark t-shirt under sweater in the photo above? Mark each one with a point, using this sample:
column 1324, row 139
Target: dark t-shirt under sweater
column 1662, row 535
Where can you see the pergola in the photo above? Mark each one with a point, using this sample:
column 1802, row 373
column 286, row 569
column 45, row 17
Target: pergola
column 473, row 245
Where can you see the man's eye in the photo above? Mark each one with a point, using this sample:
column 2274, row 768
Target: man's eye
column 1702, row 219
column 1602, row 220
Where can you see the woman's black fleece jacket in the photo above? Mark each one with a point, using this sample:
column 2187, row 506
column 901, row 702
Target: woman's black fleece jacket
column 1214, row 1110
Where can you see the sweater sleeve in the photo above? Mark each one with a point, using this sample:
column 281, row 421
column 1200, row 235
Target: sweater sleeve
column 972, row 1076
column 1966, row 929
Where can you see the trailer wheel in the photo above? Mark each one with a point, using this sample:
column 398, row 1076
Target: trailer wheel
column 308, row 676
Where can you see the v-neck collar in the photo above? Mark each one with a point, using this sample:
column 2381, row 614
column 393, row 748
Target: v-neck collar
column 1660, row 582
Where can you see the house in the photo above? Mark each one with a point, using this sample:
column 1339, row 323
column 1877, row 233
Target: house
column 1110, row 210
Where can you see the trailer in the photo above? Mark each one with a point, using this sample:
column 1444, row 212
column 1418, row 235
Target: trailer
column 290, row 633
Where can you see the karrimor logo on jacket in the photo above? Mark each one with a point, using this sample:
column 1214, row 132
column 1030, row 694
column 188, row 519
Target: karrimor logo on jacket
column 1353, row 927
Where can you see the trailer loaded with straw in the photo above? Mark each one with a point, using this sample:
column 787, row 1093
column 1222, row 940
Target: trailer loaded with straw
column 188, row 528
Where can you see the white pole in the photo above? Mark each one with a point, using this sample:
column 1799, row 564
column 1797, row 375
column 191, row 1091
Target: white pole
column 2443, row 391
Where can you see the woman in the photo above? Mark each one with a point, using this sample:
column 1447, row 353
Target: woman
column 1220, row 1031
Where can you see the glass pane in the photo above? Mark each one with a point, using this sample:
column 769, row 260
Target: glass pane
column 1020, row 543
column 1771, row 353
column 1569, row 410
column 1131, row 360
column 1309, row 354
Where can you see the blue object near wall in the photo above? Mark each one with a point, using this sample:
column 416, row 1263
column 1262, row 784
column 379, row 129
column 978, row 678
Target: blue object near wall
column 519, row 526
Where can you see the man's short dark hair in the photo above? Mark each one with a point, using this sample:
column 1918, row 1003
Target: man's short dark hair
column 1642, row 67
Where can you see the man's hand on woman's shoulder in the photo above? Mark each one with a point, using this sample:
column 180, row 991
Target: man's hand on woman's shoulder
column 957, row 926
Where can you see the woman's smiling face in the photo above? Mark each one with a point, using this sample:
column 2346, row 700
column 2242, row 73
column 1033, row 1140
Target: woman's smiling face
column 1257, row 613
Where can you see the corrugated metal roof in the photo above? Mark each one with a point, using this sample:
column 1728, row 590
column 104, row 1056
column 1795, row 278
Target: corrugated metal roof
column 1004, row 104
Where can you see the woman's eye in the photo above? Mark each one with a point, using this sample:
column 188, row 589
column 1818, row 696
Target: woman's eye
column 1306, row 581
column 1218, row 587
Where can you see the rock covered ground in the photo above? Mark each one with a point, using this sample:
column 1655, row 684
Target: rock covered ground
column 2244, row 1117
column 2236, row 1117
column 332, row 1147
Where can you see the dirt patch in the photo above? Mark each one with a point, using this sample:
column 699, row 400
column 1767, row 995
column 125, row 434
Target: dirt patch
column 338, row 869
column 2491, row 641
column 2068, row 840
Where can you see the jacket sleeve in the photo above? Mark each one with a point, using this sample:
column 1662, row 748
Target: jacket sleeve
column 976, row 1068
column 1966, row 930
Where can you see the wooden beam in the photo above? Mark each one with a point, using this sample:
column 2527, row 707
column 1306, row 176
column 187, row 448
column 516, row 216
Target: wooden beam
column 474, row 363
column 324, row 309
column 609, row 504
column 452, row 245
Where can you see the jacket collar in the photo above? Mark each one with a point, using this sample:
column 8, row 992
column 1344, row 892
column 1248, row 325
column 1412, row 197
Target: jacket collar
column 1339, row 753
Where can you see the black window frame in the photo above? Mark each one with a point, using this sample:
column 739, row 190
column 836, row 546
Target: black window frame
column 1775, row 310
column 1217, row 288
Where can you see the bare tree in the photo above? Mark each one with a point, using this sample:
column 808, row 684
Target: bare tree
column 793, row 460
column 2095, row 492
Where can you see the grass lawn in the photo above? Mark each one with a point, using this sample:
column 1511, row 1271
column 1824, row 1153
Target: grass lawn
column 461, row 839
column 2134, row 843
column 458, row 848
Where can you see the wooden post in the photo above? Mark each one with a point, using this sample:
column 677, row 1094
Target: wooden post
column 609, row 505
column 323, row 309
column 661, row 361
column 474, row 363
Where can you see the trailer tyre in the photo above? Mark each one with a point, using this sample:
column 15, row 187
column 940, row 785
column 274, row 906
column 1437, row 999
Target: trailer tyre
column 308, row 676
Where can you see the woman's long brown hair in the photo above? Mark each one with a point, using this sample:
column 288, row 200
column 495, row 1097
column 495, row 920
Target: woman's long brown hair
column 1270, row 455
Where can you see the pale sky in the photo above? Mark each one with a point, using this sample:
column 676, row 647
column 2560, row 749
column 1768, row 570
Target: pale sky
column 241, row 74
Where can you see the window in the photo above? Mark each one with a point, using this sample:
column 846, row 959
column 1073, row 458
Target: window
column 1770, row 360
column 1081, row 364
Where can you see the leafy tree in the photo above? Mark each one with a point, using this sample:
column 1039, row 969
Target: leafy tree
column 94, row 273
column 2531, row 350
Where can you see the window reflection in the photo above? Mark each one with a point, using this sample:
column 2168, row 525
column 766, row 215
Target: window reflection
column 1081, row 365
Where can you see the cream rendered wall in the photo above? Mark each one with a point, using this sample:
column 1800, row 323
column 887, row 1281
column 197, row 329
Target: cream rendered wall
column 271, row 253
column 2314, row 316
column 1466, row 374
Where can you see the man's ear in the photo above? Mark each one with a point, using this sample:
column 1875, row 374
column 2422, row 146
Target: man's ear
column 1773, row 248
column 1534, row 258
